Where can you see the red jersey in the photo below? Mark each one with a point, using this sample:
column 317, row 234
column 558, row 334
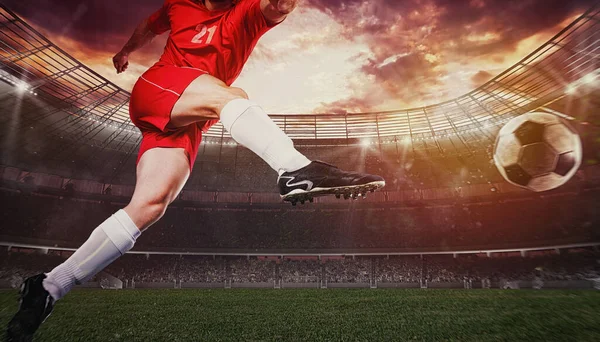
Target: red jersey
column 218, row 42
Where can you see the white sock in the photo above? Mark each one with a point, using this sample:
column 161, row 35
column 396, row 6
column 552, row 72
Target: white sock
column 251, row 127
column 113, row 238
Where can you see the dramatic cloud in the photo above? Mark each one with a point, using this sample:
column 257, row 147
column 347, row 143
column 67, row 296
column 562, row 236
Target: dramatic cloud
column 481, row 77
column 98, row 24
column 93, row 31
column 335, row 56
column 424, row 51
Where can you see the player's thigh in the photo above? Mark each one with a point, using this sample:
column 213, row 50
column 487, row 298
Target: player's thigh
column 203, row 99
column 161, row 174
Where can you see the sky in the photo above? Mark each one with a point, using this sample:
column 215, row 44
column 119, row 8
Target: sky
column 333, row 56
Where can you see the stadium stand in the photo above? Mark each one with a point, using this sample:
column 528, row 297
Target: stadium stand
column 581, row 264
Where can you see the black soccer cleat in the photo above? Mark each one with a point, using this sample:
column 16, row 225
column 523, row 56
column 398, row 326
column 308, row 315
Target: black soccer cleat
column 35, row 305
column 320, row 179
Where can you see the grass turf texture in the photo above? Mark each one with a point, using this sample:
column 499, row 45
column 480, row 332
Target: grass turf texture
column 319, row 315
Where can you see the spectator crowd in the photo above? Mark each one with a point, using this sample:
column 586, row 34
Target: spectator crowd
column 574, row 265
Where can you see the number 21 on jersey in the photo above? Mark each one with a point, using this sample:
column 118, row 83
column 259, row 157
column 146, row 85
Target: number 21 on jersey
column 202, row 29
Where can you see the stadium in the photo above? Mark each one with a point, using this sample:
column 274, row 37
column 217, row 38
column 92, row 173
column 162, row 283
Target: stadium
column 446, row 239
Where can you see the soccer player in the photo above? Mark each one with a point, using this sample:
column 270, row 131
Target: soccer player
column 172, row 103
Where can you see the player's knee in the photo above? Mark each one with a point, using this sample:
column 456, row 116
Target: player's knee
column 148, row 211
column 154, row 211
column 224, row 96
column 232, row 93
column 238, row 93
column 204, row 99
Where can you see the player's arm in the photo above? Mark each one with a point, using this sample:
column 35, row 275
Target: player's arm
column 149, row 28
column 140, row 37
column 276, row 10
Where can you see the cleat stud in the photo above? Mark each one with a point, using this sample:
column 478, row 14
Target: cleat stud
column 302, row 202
column 311, row 200
column 337, row 196
column 294, row 203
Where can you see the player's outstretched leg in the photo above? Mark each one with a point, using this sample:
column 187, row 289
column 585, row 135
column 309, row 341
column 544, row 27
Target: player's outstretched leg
column 161, row 173
column 299, row 178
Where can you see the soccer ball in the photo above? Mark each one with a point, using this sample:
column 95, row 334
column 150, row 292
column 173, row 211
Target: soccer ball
column 537, row 151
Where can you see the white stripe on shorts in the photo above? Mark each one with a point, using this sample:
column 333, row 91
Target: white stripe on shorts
column 185, row 67
column 156, row 85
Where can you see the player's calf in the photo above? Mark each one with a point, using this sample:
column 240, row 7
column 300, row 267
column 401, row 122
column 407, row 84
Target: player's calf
column 161, row 174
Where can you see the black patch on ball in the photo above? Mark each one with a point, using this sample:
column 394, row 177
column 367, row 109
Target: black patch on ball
column 517, row 175
column 530, row 132
column 537, row 159
column 565, row 163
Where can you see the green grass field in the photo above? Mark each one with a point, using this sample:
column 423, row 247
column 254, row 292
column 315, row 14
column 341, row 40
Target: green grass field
column 319, row 315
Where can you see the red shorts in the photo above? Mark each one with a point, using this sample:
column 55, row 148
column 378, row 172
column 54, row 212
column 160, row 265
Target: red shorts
column 152, row 99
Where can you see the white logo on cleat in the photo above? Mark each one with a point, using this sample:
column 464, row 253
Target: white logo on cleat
column 307, row 182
